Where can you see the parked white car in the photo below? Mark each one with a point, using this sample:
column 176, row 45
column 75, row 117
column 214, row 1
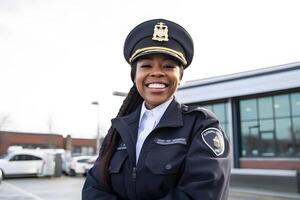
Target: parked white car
column 22, row 162
column 90, row 163
column 77, row 165
column 1, row 176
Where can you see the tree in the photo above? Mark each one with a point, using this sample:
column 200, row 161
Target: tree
column 4, row 120
column 50, row 124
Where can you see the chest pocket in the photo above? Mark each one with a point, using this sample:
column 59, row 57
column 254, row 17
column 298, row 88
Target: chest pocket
column 117, row 161
column 166, row 156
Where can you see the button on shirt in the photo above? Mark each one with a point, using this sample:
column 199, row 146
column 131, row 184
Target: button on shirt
column 148, row 121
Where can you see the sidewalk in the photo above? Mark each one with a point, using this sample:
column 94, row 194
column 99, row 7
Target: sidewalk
column 251, row 184
column 257, row 194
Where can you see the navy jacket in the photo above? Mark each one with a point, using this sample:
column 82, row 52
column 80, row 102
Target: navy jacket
column 185, row 157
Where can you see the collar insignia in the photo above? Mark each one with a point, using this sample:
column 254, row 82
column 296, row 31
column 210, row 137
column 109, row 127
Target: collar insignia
column 160, row 32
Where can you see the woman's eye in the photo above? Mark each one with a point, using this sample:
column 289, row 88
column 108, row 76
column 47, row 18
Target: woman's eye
column 170, row 66
column 145, row 66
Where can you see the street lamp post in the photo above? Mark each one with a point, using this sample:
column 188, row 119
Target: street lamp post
column 96, row 103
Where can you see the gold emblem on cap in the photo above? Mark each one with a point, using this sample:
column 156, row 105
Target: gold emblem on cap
column 160, row 32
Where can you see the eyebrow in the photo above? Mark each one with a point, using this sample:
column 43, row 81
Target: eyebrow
column 148, row 57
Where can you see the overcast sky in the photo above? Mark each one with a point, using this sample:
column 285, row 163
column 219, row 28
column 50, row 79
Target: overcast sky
column 57, row 56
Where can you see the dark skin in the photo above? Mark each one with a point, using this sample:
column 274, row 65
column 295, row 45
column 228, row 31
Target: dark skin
column 157, row 79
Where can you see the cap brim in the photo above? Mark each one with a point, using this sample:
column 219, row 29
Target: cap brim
column 158, row 50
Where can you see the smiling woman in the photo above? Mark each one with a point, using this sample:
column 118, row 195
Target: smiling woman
column 157, row 148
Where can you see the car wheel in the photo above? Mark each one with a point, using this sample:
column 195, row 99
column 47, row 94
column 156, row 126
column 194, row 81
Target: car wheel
column 72, row 172
column 1, row 175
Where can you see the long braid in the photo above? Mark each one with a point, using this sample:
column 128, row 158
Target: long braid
column 131, row 102
column 112, row 138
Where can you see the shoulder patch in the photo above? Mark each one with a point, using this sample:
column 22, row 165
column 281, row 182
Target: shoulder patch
column 214, row 139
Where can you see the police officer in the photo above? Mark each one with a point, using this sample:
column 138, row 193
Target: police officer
column 157, row 148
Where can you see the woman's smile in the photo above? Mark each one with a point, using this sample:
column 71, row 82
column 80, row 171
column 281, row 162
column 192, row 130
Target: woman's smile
column 156, row 85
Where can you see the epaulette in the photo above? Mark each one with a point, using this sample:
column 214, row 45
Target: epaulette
column 204, row 112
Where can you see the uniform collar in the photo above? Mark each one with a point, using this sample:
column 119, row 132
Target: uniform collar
column 172, row 117
column 127, row 126
column 156, row 112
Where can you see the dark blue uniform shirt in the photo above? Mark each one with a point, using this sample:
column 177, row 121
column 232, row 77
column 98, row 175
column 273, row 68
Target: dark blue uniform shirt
column 185, row 157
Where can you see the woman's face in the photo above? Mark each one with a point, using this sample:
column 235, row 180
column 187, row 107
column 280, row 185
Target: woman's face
column 157, row 78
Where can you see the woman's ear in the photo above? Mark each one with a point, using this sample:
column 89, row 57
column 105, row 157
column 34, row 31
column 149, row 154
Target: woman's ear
column 133, row 71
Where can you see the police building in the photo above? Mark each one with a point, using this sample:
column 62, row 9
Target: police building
column 259, row 111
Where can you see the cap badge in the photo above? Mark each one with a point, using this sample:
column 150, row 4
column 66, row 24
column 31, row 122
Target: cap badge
column 160, row 32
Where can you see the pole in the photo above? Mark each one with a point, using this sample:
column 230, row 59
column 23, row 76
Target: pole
column 98, row 127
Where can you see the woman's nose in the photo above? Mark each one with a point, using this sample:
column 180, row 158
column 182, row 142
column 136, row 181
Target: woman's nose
column 157, row 72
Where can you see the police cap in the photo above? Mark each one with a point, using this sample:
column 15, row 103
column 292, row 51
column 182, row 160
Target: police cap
column 159, row 36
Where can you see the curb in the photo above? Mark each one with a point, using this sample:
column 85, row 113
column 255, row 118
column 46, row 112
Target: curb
column 263, row 195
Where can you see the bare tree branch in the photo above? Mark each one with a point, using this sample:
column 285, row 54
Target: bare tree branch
column 4, row 121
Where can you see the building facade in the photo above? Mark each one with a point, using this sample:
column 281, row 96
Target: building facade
column 77, row 146
column 259, row 111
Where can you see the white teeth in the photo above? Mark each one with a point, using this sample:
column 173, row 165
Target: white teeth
column 156, row 85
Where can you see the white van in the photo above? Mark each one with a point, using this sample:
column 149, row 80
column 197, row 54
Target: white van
column 51, row 157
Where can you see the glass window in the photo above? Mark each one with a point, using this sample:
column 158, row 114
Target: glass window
column 82, row 160
column 250, row 138
column 30, row 157
column 76, row 150
column 265, row 107
column 224, row 127
column 84, row 150
column 267, row 133
column 296, row 130
column 219, row 110
column 283, row 128
column 296, row 104
column 282, row 106
column 248, row 109
column 209, row 107
column 90, row 150
column 284, row 139
column 266, row 125
column 277, row 132
column 15, row 158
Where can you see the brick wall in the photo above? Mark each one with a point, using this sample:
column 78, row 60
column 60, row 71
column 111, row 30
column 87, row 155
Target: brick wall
column 42, row 140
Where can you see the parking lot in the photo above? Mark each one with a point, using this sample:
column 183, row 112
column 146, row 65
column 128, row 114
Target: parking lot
column 69, row 188
column 62, row 188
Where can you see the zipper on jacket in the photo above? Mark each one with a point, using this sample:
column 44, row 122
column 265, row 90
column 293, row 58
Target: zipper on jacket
column 134, row 172
column 133, row 176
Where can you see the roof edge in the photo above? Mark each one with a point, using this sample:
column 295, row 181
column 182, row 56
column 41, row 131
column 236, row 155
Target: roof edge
column 241, row 75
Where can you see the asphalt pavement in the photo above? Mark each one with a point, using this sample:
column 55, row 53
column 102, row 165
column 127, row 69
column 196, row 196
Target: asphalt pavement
column 69, row 188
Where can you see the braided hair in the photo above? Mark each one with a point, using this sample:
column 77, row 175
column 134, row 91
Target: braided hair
column 111, row 140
